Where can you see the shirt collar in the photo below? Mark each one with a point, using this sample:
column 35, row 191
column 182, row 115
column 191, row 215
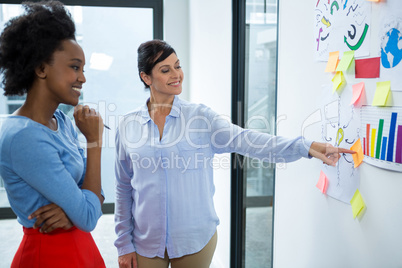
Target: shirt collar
column 175, row 112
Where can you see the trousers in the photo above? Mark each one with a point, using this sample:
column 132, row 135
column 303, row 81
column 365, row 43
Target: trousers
column 201, row 259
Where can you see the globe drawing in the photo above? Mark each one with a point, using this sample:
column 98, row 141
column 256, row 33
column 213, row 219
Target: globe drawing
column 391, row 49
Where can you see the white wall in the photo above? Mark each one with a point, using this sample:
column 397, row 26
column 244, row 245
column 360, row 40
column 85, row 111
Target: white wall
column 201, row 33
column 312, row 230
column 176, row 33
column 210, row 74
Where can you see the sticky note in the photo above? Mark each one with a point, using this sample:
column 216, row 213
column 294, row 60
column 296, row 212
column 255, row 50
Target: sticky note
column 358, row 94
column 381, row 93
column 347, row 58
column 357, row 203
column 332, row 62
column 322, row 183
column 373, row 0
column 358, row 156
column 338, row 82
column 367, row 68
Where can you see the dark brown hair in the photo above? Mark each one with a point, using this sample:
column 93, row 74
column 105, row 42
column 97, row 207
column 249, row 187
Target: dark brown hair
column 151, row 53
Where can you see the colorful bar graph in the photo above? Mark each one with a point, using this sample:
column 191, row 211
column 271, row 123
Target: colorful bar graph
column 398, row 153
column 379, row 138
column 391, row 137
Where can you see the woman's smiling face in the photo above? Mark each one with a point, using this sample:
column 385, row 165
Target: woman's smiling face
column 166, row 77
column 65, row 73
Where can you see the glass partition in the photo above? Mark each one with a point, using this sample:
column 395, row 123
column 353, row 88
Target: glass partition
column 260, row 114
column 254, row 92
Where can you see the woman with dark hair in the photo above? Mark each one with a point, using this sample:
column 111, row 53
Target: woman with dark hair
column 53, row 188
column 164, row 170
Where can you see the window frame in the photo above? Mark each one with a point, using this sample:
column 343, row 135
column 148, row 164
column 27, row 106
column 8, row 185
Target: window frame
column 239, row 199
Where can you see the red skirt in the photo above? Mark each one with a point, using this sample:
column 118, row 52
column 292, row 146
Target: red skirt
column 60, row 248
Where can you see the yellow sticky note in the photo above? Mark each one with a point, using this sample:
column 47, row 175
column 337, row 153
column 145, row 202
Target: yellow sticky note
column 322, row 183
column 357, row 203
column 373, row 0
column 381, row 93
column 347, row 58
column 338, row 82
column 358, row 156
column 332, row 62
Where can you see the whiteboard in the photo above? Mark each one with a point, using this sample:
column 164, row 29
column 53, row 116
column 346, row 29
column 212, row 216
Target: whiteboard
column 310, row 228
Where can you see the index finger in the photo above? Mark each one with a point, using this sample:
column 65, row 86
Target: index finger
column 346, row 151
column 78, row 107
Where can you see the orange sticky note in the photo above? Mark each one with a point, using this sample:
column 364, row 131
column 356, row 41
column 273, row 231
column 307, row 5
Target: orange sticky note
column 333, row 60
column 358, row 156
column 322, row 183
column 358, row 94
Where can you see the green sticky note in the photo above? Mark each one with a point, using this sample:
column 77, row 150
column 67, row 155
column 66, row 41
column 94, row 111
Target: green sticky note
column 346, row 60
column 338, row 82
column 357, row 203
column 381, row 93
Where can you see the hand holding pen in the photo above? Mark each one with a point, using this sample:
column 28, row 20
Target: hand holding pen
column 90, row 123
column 79, row 106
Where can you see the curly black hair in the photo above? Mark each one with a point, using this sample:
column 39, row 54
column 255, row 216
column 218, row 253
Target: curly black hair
column 30, row 40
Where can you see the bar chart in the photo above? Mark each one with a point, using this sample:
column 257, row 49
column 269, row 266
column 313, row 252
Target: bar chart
column 381, row 131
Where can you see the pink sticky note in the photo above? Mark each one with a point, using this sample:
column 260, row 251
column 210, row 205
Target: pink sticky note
column 322, row 183
column 359, row 94
column 367, row 68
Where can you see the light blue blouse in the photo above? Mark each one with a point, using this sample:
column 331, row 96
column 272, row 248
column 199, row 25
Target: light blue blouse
column 165, row 189
column 41, row 166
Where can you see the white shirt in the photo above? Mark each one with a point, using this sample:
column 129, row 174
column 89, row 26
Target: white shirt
column 165, row 189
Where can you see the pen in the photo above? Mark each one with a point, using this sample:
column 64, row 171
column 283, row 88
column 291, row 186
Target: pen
column 106, row 126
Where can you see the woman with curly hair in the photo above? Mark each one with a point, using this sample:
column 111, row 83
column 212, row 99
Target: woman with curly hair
column 54, row 189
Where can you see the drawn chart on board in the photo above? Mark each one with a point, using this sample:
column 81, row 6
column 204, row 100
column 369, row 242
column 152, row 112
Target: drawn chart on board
column 341, row 127
column 342, row 25
column 382, row 136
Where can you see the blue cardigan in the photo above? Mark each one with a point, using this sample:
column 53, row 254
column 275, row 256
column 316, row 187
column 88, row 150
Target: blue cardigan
column 40, row 166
